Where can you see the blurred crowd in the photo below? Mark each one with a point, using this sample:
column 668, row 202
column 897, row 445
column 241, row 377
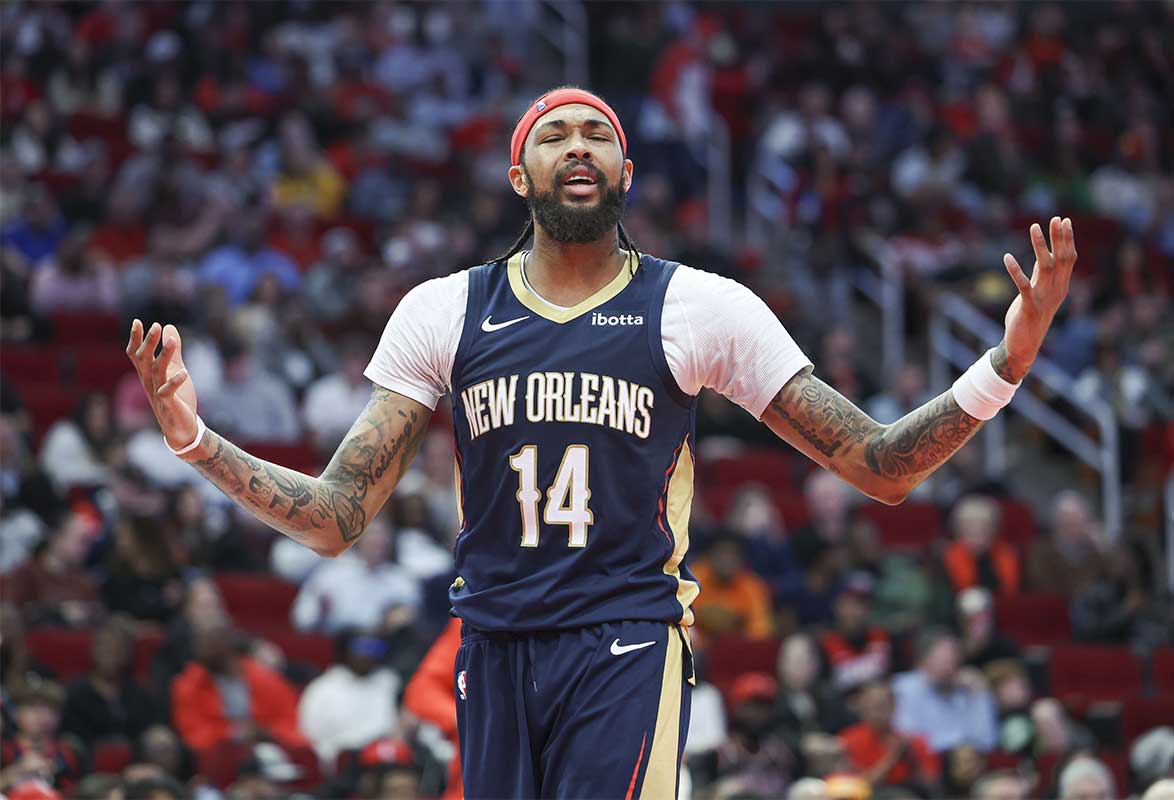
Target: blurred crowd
column 273, row 177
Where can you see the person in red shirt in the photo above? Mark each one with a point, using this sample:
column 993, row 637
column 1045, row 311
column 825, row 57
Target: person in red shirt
column 736, row 601
column 977, row 557
column 222, row 696
column 879, row 753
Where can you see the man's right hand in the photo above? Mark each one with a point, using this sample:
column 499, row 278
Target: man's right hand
column 165, row 380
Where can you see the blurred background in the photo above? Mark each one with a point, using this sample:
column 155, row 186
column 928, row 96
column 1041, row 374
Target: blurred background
column 272, row 177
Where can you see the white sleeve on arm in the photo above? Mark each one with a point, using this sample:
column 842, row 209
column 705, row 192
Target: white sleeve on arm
column 719, row 334
column 416, row 352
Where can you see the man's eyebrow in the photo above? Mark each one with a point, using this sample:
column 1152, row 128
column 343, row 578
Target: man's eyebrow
column 562, row 124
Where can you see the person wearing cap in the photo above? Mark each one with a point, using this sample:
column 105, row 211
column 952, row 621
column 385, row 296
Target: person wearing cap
column 354, row 701
column 574, row 368
column 34, row 751
column 856, row 652
column 755, row 753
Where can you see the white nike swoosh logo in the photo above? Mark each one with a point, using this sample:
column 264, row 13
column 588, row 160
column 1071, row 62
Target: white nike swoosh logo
column 618, row 649
column 490, row 327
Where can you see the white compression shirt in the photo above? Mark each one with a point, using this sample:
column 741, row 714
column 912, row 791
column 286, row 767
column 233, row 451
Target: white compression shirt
column 717, row 334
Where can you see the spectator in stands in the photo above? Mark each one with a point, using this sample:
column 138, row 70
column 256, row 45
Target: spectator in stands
column 909, row 391
column 108, row 702
column 1066, row 560
column 962, row 767
column 304, row 176
column 203, row 608
column 431, row 697
column 1162, row 790
column 856, row 652
column 330, row 286
column 239, row 264
column 736, row 602
column 334, row 401
column 1055, row 732
column 755, row 756
column 880, row 754
column 76, row 279
column 251, row 404
column 35, row 749
column 804, row 704
column 1000, row 785
column 935, row 701
column 1012, row 691
column 17, row 665
column 1119, row 606
column 354, row 701
column 74, row 451
column 39, row 229
column 832, row 517
column 53, row 587
column 143, row 580
column 1086, row 778
column 754, row 516
column 160, row 747
column 222, row 696
column 388, row 770
column 1151, row 759
column 422, row 546
column 100, row 787
column 980, row 639
column 27, row 497
column 976, row 557
column 357, row 588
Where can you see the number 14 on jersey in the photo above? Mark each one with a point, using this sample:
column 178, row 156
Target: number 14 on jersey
column 566, row 499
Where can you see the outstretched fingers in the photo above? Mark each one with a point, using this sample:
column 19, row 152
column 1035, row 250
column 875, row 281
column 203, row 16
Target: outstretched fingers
column 136, row 339
column 1022, row 282
column 172, row 384
column 160, row 364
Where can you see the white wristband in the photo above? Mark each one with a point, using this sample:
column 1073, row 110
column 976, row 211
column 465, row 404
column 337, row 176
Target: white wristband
column 980, row 392
column 201, row 429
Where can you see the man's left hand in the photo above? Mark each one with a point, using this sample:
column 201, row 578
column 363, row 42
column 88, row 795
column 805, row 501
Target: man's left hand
column 1031, row 312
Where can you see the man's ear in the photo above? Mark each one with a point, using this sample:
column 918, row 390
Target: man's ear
column 518, row 181
column 626, row 175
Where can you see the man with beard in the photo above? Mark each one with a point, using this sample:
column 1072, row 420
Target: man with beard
column 574, row 369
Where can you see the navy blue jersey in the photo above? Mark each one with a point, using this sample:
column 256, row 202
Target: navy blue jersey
column 575, row 469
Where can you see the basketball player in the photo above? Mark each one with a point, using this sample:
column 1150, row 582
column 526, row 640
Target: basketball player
column 574, row 369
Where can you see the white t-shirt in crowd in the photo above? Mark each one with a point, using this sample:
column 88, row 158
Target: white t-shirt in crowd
column 717, row 334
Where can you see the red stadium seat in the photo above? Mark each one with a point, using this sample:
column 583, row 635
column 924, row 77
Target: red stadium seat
column 146, row 645
column 99, row 368
column 111, row 756
column 91, row 327
column 769, row 467
column 63, row 650
column 1164, row 669
column 257, row 601
column 731, row 656
column 47, row 403
column 909, row 526
column 1018, row 526
column 1081, row 674
column 1032, row 619
column 1142, row 713
column 32, row 363
column 1118, row 764
column 313, row 649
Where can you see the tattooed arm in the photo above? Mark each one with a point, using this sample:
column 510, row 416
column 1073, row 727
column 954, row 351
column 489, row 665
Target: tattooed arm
column 327, row 513
column 887, row 461
column 883, row 461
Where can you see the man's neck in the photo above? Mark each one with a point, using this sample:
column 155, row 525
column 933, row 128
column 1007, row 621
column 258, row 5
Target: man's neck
column 567, row 274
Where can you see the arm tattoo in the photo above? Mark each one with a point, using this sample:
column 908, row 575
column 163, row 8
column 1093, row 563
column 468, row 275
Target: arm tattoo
column 832, row 430
column 351, row 489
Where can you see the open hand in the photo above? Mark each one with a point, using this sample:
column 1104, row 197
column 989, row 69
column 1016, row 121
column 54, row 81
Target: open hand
column 1040, row 296
column 165, row 380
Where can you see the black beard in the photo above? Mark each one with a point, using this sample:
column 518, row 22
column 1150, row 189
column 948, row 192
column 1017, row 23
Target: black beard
column 568, row 224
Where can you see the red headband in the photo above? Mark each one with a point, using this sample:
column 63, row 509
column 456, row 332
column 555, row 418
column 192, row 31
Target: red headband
column 560, row 97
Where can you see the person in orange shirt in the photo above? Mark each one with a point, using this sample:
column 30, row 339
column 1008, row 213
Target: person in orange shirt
column 976, row 557
column 881, row 755
column 430, row 695
column 222, row 696
column 735, row 601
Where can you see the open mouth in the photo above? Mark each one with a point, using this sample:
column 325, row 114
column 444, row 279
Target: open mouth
column 580, row 182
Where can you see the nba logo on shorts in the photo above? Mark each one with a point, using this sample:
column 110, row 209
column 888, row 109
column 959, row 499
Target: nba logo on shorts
column 461, row 684
column 541, row 106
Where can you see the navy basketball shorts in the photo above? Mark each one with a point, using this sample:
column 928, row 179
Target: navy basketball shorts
column 595, row 712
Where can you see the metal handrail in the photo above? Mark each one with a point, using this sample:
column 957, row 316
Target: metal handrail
column 719, row 183
column 570, row 38
column 948, row 351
